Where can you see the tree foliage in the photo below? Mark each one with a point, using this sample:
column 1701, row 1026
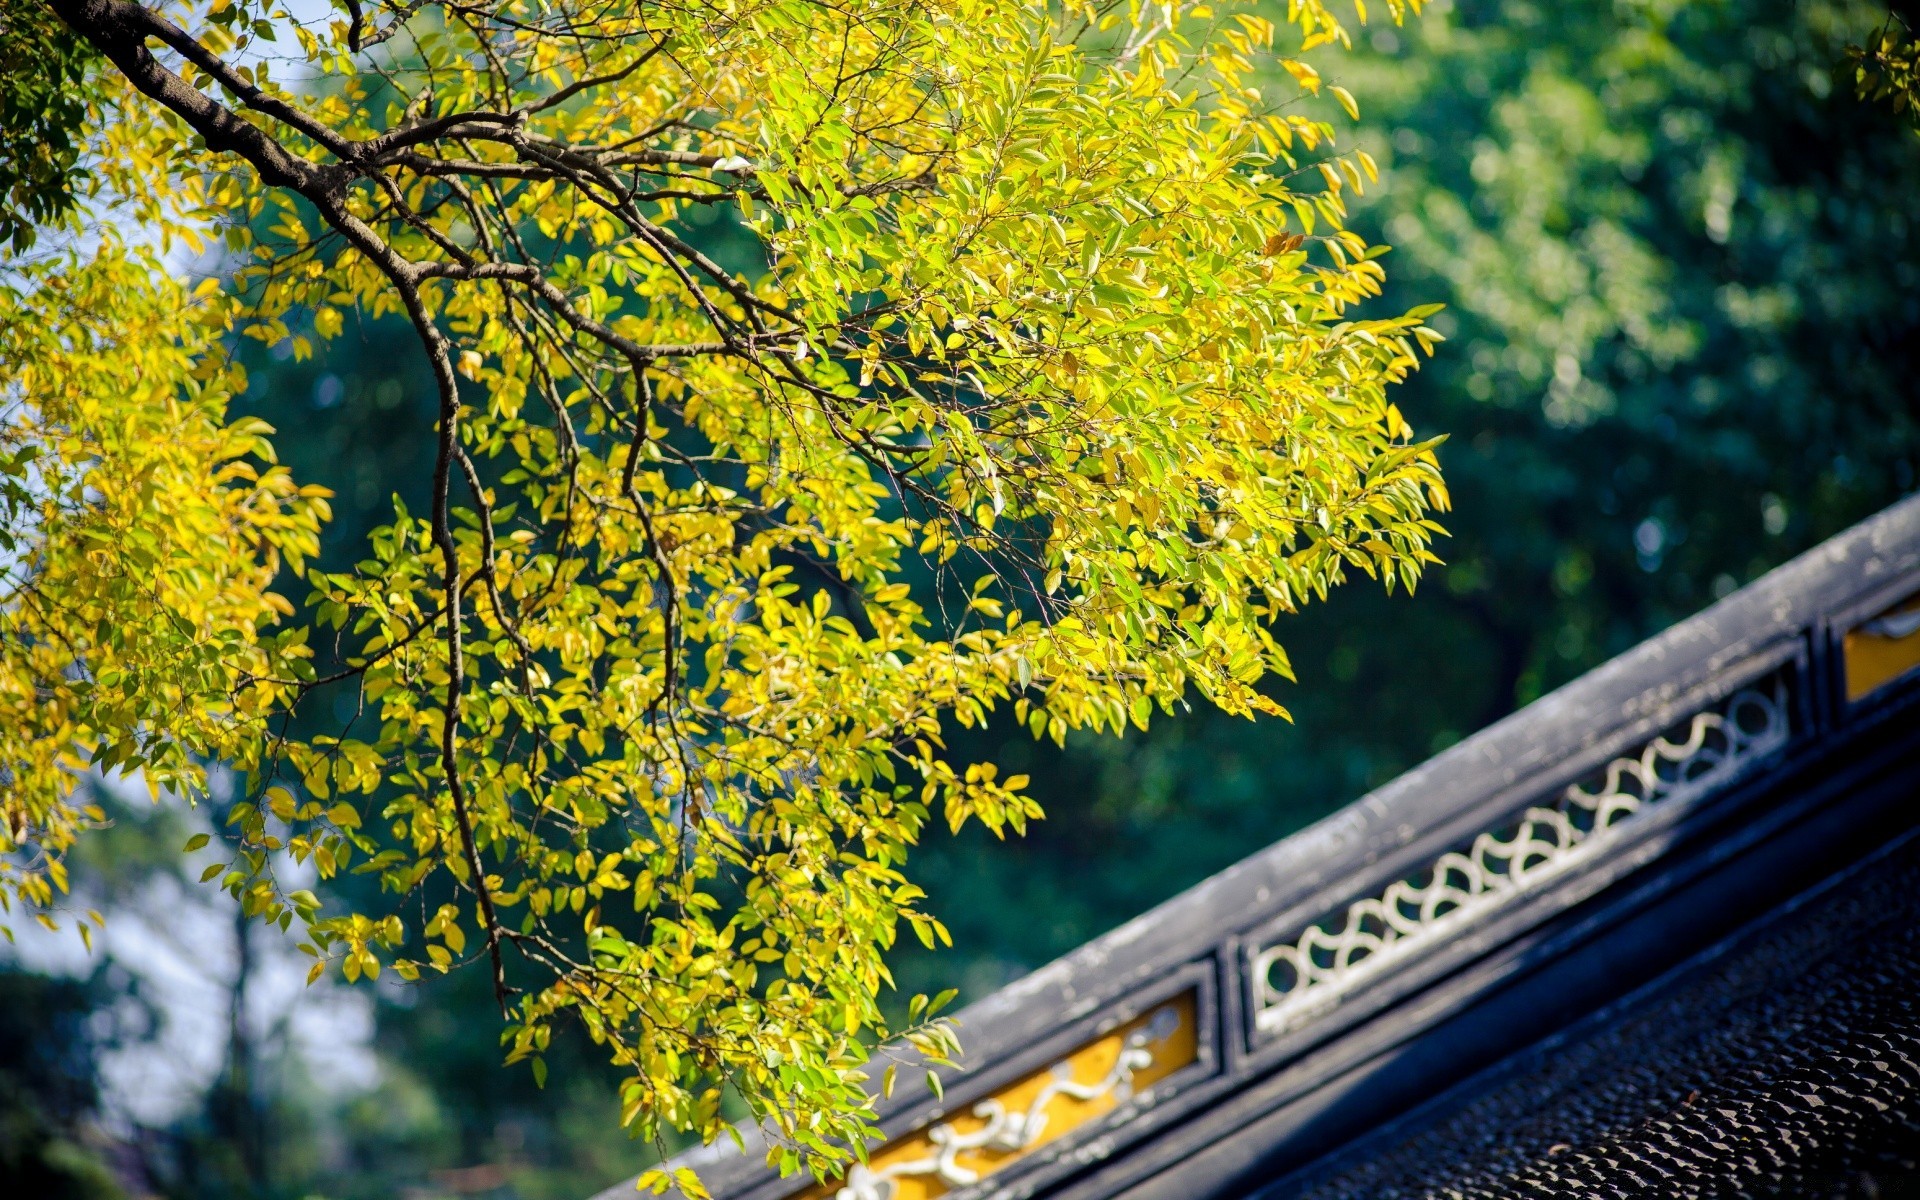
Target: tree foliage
column 140, row 531
column 1887, row 67
column 43, row 65
column 1043, row 392
column 1682, row 280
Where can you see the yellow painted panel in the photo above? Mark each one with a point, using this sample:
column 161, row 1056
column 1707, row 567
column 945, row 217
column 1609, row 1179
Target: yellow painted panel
column 1027, row 1114
column 1881, row 650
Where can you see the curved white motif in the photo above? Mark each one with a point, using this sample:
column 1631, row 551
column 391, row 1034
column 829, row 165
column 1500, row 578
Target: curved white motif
column 1296, row 981
column 1011, row 1132
column 1895, row 625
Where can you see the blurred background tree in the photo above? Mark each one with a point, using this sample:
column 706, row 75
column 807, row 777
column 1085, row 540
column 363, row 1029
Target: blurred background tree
column 50, row 1145
column 1683, row 280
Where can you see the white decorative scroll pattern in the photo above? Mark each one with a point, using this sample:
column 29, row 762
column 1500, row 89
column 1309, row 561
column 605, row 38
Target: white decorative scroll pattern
column 1012, row 1132
column 1298, row 980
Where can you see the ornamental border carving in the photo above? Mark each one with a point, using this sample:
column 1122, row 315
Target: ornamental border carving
column 1014, row 1131
column 1297, row 980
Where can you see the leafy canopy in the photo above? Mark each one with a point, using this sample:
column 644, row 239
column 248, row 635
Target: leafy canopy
column 1888, row 68
column 1039, row 386
column 41, row 114
column 1683, row 316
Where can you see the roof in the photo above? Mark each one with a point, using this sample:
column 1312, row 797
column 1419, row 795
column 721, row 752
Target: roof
column 1535, row 873
column 1783, row 1061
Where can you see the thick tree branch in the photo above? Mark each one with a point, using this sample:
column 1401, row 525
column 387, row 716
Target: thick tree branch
column 120, row 30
